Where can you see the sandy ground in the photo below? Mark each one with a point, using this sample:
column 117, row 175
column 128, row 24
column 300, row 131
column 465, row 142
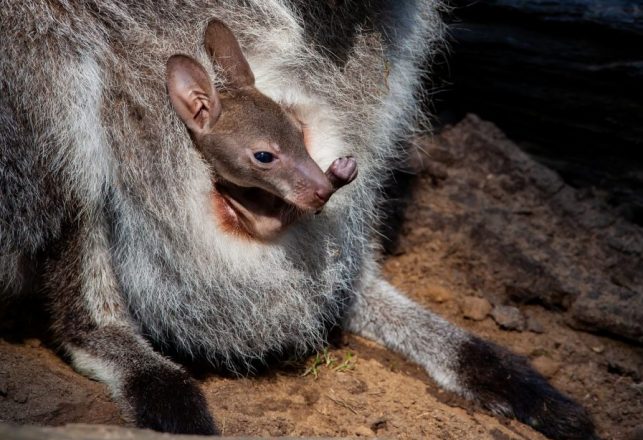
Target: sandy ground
column 357, row 388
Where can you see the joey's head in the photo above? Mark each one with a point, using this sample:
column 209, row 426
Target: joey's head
column 263, row 176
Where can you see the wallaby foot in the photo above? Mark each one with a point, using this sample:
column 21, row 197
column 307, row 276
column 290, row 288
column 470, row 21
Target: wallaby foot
column 93, row 326
column 506, row 384
column 154, row 392
column 497, row 379
column 168, row 400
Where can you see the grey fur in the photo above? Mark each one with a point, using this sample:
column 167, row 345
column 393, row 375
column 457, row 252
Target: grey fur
column 383, row 314
column 89, row 140
column 122, row 157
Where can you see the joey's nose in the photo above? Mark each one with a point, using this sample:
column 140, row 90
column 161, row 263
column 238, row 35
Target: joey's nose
column 313, row 189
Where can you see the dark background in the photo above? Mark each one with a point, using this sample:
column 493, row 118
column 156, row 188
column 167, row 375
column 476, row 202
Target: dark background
column 562, row 78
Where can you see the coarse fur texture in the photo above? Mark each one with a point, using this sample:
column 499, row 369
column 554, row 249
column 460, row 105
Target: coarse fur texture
column 155, row 190
column 111, row 192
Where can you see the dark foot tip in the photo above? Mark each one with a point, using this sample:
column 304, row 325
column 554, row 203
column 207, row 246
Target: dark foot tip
column 168, row 400
column 502, row 380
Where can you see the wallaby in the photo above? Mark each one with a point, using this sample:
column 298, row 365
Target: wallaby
column 102, row 187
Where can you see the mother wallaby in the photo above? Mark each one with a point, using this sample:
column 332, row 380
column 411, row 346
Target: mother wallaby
column 101, row 184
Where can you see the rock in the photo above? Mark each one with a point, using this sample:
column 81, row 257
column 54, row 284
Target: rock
column 615, row 309
column 364, row 431
column 20, row 395
column 534, row 325
column 519, row 233
column 508, row 318
column 437, row 293
column 546, row 181
column 499, row 435
column 475, row 308
column 546, row 366
column 598, row 349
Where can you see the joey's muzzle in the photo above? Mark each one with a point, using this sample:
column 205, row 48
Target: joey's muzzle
column 299, row 188
column 311, row 187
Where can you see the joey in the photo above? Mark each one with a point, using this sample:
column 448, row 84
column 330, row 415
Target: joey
column 264, row 178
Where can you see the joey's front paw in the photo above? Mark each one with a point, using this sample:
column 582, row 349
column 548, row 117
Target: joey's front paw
column 168, row 400
column 342, row 171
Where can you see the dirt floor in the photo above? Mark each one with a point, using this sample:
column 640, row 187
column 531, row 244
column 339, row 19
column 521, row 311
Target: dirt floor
column 357, row 388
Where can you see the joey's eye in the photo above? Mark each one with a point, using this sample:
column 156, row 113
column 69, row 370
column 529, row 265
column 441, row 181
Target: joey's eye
column 264, row 157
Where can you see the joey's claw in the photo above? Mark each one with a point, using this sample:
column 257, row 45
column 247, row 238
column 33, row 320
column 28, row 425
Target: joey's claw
column 342, row 171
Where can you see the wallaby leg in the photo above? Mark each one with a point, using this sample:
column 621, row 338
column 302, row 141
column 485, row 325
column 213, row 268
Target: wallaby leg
column 496, row 378
column 92, row 325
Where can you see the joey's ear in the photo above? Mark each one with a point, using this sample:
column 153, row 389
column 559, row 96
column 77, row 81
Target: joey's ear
column 193, row 96
column 224, row 49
